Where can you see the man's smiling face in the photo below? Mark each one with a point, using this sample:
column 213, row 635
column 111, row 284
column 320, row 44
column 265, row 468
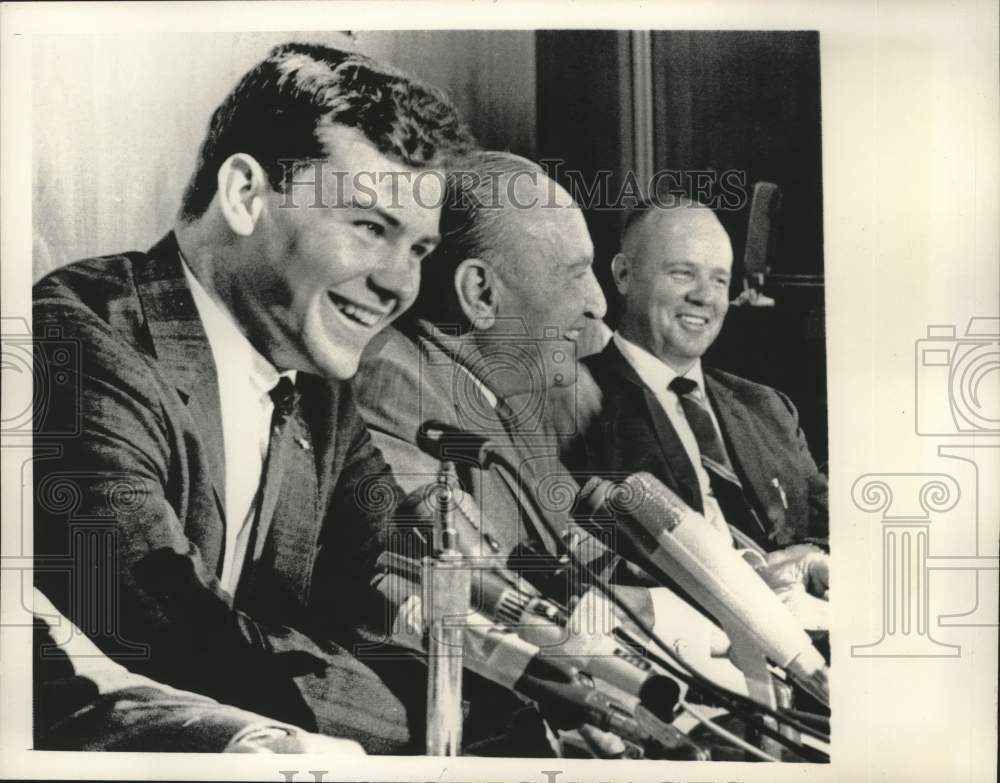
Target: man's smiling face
column 337, row 262
column 676, row 268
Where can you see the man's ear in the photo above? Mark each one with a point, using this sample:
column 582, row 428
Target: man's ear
column 241, row 187
column 621, row 272
column 476, row 291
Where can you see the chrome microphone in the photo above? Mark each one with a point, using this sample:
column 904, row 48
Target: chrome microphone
column 446, row 592
column 560, row 634
column 567, row 696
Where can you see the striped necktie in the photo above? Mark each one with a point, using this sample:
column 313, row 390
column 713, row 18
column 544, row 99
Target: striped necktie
column 726, row 485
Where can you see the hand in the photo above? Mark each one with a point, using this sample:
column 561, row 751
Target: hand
column 803, row 565
column 290, row 739
column 800, row 577
column 813, row 613
column 685, row 628
column 602, row 744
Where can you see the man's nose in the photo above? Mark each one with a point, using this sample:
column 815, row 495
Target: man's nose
column 702, row 292
column 398, row 276
column 595, row 303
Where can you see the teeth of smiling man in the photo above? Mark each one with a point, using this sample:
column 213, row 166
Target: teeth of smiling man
column 694, row 320
column 357, row 313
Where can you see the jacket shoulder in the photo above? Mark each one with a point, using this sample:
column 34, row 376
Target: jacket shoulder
column 389, row 386
column 600, row 367
column 750, row 393
column 738, row 384
column 96, row 292
column 90, row 281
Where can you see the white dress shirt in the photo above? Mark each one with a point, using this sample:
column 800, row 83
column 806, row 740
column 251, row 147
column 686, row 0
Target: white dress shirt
column 245, row 381
column 658, row 375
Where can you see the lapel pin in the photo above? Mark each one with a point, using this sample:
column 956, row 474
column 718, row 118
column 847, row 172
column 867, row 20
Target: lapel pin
column 781, row 493
column 303, row 443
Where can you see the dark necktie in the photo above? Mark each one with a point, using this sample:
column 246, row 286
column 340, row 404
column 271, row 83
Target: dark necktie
column 726, row 485
column 284, row 398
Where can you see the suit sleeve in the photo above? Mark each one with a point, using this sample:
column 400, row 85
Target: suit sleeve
column 361, row 525
column 111, row 551
column 817, row 529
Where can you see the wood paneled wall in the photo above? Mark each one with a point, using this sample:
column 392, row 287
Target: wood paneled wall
column 117, row 119
column 747, row 102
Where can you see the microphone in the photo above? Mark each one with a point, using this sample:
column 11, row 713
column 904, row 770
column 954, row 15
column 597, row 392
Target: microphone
column 678, row 546
column 606, row 653
column 446, row 442
column 568, row 696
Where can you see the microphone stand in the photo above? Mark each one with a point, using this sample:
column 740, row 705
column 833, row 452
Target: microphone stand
column 482, row 453
column 762, row 686
column 446, row 586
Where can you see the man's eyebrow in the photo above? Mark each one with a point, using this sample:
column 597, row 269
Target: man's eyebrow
column 355, row 204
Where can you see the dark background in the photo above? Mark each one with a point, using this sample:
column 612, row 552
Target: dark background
column 721, row 101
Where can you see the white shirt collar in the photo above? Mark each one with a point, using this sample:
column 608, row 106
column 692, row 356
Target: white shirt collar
column 241, row 359
column 651, row 370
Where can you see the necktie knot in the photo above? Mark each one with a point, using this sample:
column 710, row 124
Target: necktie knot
column 682, row 386
column 283, row 396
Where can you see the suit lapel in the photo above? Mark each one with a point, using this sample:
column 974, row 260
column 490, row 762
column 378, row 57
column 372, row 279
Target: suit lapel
column 746, row 447
column 182, row 350
column 525, row 454
column 672, row 451
column 505, row 435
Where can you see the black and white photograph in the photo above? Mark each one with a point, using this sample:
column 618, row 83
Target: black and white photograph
column 467, row 392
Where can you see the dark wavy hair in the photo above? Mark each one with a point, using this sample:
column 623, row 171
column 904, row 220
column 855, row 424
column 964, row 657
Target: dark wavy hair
column 274, row 112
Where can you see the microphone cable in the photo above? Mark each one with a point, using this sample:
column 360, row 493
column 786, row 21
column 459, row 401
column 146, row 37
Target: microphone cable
column 742, row 705
column 748, row 707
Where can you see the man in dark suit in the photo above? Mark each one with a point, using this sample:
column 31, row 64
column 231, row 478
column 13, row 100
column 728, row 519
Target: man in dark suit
column 85, row 701
column 199, row 464
column 732, row 449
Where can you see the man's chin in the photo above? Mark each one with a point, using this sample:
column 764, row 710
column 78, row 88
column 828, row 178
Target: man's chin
column 338, row 368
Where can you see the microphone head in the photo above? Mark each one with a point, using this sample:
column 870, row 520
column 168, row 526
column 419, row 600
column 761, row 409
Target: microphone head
column 660, row 694
column 448, row 442
column 640, row 496
column 648, row 500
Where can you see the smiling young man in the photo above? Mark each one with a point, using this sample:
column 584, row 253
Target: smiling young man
column 732, row 449
column 208, row 425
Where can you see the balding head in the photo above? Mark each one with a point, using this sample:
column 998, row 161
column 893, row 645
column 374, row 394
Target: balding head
column 514, row 261
column 673, row 273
